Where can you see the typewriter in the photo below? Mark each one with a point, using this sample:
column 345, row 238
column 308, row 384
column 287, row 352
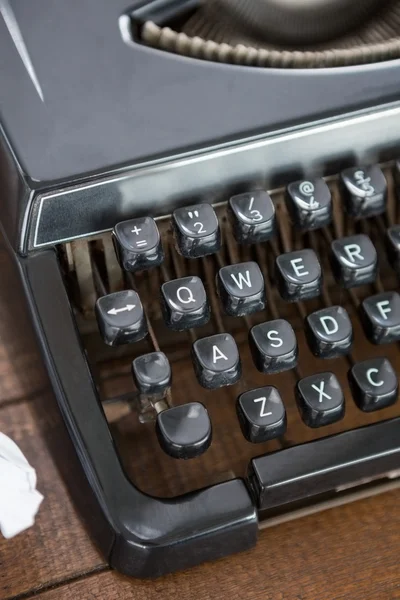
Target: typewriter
column 200, row 200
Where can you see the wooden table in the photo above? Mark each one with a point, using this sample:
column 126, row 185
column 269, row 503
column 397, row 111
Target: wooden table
column 351, row 552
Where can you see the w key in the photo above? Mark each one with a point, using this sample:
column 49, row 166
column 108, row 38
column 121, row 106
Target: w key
column 241, row 289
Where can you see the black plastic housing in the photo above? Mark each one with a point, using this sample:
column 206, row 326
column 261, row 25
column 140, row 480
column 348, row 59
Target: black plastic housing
column 96, row 133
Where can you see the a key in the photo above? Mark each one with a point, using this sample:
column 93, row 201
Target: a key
column 261, row 414
column 364, row 191
column 320, row 399
column 152, row 373
column 298, row 275
column 121, row 318
column 392, row 240
column 354, row 260
column 329, row 332
column 184, row 431
column 374, row 384
column 252, row 216
column 241, row 289
column 196, row 230
column 137, row 244
column 184, row 303
column 380, row 315
column 273, row 346
column 216, row 361
column 309, row 203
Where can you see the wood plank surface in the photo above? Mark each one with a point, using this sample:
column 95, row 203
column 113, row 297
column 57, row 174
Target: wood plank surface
column 349, row 553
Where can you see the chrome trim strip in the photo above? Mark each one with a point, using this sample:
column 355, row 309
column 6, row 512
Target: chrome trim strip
column 158, row 186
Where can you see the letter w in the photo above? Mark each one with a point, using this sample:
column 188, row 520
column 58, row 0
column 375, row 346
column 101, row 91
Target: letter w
column 241, row 279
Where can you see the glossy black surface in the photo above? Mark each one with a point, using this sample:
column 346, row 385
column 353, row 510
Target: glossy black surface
column 374, row 384
column 320, row 399
column 261, row 414
column 142, row 536
column 216, row 361
column 320, row 466
column 380, row 315
column 252, row 216
column 392, row 240
column 196, row 230
column 184, row 303
column 309, row 203
column 184, row 431
column 329, row 332
column 299, row 275
column 354, row 260
column 364, row 191
column 120, row 318
column 273, row 346
column 241, row 289
column 152, row 373
column 137, row 244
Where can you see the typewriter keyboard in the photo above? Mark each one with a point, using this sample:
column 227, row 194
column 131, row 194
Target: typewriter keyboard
column 221, row 333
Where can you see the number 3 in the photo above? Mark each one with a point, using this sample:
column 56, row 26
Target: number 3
column 256, row 215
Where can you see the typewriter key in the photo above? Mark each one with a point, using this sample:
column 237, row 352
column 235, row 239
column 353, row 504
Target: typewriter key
column 374, row 384
column 299, row 275
column 196, row 230
column 320, row 399
column 354, row 260
column 241, row 289
column 216, row 361
column 329, row 332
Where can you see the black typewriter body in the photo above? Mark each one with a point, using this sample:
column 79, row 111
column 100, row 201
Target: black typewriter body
column 103, row 139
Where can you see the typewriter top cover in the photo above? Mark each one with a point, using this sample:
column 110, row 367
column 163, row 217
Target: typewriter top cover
column 216, row 198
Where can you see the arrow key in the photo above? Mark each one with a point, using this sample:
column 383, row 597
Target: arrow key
column 121, row 318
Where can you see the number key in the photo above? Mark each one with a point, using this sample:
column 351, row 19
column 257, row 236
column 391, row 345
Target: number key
column 252, row 216
column 137, row 244
column 196, row 230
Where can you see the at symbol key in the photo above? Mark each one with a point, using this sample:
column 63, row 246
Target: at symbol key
column 309, row 203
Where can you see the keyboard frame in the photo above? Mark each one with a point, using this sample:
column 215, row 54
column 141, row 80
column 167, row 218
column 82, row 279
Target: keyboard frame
column 140, row 535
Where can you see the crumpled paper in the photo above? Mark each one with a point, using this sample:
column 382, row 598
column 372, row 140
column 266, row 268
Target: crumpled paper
column 19, row 498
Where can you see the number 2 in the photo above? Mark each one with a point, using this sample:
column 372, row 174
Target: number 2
column 201, row 227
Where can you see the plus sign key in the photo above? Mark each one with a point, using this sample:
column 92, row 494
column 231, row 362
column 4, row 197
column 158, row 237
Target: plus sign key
column 364, row 190
column 121, row 318
column 137, row 244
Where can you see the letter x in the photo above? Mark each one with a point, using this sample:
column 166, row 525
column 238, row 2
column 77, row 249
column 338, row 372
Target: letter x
column 320, row 391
